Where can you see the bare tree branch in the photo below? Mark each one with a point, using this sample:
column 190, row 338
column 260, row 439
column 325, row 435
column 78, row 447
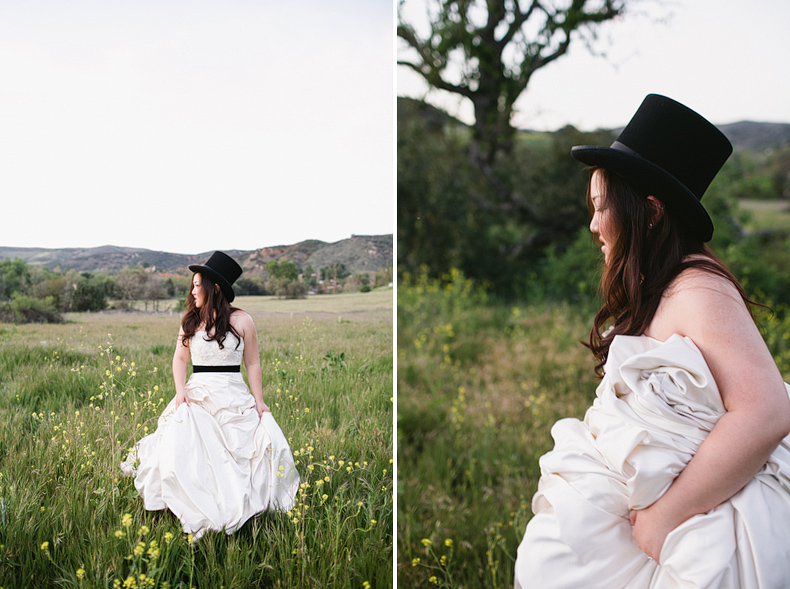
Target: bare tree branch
column 492, row 81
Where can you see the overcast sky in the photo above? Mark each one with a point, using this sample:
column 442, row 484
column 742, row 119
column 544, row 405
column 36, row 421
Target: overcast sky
column 727, row 59
column 189, row 126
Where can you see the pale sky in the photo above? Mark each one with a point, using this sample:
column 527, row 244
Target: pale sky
column 189, row 126
column 727, row 59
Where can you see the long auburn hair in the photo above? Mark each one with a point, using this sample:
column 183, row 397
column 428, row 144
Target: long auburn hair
column 643, row 262
column 214, row 314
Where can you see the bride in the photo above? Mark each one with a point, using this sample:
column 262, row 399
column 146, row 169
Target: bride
column 218, row 456
column 679, row 475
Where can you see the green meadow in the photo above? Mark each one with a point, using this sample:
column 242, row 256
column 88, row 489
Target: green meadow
column 480, row 384
column 74, row 397
column 766, row 214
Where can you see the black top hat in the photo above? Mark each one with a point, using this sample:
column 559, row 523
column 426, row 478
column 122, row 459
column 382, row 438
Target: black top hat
column 223, row 270
column 669, row 151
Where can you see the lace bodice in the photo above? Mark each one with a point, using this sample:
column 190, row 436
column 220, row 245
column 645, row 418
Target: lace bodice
column 208, row 353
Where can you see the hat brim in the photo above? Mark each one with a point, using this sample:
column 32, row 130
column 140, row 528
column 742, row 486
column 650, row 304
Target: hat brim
column 226, row 287
column 653, row 180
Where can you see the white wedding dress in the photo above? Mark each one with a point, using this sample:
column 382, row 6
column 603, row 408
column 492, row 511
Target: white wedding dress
column 213, row 462
column 654, row 407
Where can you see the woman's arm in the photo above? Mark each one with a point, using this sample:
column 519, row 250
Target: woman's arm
column 252, row 360
column 180, row 365
column 711, row 312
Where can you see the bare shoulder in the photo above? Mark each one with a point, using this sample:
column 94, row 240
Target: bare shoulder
column 697, row 285
column 709, row 310
column 242, row 322
column 702, row 305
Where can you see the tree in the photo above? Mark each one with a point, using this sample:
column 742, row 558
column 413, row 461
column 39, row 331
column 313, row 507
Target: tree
column 335, row 271
column 88, row 296
column 155, row 290
column 309, row 276
column 15, row 277
column 131, row 285
column 283, row 280
column 285, row 270
column 497, row 45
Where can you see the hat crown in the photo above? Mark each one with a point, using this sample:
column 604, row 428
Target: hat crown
column 677, row 139
column 224, row 265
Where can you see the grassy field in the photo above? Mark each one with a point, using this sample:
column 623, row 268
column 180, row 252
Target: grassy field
column 74, row 397
column 479, row 386
column 766, row 214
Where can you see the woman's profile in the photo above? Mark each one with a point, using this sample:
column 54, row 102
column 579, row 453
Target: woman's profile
column 679, row 474
column 217, row 456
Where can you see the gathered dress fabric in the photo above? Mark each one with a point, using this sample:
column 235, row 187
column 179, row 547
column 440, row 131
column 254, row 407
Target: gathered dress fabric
column 653, row 409
column 213, row 462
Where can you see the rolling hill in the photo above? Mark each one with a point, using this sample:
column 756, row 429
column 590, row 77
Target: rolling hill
column 359, row 253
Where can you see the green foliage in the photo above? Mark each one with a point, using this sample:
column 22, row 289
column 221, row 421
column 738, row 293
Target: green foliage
column 25, row 309
column 571, row 275
column 292, row 289
column 479, row 386
column 283, row 280
column 309, row 276
column 763, row 175
column 383, row 277
column 335, row 271
column 524, row 233
column 88, row 296
column 15, row 276
column 252, row 286
column 762, row 265
column 493, row 224
column 286, row 270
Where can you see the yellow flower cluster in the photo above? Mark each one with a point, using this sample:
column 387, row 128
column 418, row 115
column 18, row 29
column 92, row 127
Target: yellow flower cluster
column 144, row 556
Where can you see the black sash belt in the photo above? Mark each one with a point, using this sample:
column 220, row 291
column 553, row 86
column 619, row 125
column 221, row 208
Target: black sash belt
column 216, row 369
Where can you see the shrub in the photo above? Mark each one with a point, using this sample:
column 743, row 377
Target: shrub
column 291, row 290
column 24, row 309
column 88, row 296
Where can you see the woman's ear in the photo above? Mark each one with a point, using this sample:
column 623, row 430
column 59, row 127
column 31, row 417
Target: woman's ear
column 656, row 208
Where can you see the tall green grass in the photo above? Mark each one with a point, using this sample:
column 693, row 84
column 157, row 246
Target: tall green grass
column 480, row 385
column 75, row 397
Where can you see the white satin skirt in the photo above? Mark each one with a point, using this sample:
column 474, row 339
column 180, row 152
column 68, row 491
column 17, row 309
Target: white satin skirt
column 655, row 406
column 214, row 463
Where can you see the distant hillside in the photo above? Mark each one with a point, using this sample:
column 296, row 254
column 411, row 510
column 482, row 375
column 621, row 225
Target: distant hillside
column 757, row 136
column 749, row 136
column 359, row 253
column 744, row 135
column 435, row 119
